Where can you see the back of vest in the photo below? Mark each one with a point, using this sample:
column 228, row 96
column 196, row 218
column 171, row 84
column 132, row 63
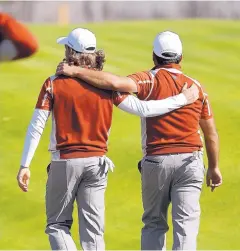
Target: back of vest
column 178, row 131
column 82, row 117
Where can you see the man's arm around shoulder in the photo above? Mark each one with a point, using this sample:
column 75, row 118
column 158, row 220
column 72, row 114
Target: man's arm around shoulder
column 99, row 79
column 152, row 108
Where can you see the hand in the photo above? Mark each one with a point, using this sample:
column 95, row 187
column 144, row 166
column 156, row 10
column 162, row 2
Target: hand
column 191, row 94
column 23, row 178
column 65, row 69
column 214, row 178
column 108, row 164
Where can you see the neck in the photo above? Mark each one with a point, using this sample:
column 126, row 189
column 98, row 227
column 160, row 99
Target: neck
column 171, row 65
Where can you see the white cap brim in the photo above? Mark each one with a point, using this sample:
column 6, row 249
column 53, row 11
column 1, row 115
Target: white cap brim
column 62, row 40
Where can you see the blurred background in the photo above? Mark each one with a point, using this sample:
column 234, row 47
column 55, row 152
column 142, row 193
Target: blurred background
column 64, row 12
column 210, row 32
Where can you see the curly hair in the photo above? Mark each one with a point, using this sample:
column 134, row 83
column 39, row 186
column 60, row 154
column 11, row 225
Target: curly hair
column 94, row 60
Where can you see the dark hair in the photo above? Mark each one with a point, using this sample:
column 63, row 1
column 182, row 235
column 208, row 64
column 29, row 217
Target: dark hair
column 94, row 60
column 172, row 59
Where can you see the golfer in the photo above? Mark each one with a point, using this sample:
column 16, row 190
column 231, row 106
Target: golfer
column 81, row 121
column 172, row 168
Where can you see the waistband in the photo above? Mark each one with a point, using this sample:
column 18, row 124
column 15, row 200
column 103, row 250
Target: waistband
column 171, row 149
column 198, row 154
column 179, row 153
column 58, row 155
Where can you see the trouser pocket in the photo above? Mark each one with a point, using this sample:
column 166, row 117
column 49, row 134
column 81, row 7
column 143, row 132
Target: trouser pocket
column 48, row 168
column 155, row 160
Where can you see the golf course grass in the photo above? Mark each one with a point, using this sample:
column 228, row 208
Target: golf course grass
column 211, row 55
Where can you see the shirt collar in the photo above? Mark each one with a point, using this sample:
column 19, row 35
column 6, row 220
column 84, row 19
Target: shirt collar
column 168, row 66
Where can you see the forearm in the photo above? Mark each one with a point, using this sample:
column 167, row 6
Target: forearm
column 212, row 148
column 99, row 79
column 152, row 108
column 34, row 132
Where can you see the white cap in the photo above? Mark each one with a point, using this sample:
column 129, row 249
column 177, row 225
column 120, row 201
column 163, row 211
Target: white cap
column 80, row 40
column 167, row 41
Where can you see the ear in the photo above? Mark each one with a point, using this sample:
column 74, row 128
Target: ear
column 66, row 51
column 181, row 58
column 154, row 59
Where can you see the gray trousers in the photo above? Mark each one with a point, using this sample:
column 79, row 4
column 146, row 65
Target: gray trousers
column 178, row 179
column 83, row 180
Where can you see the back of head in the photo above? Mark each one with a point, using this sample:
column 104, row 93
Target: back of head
column 81, row 49
column 167, row 48
column 86, row 60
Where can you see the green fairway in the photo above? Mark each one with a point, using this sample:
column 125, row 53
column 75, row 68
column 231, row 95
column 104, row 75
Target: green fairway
column 211, row 55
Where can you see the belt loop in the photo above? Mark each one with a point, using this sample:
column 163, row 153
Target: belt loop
column 197, row 154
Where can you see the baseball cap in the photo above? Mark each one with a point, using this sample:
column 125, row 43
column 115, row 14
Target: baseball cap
column 80, row 40
column 167, row 42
